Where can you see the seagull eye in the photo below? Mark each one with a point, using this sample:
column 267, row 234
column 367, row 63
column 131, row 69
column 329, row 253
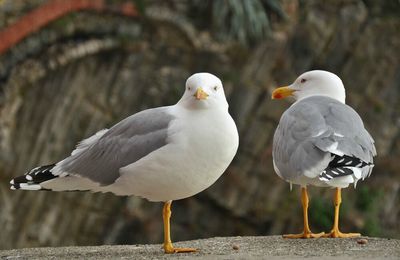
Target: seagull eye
column 303, row 80
column 216, row 88
column 189, row 88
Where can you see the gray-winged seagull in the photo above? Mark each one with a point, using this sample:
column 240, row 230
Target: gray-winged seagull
column 321, row 141
column 161, row 154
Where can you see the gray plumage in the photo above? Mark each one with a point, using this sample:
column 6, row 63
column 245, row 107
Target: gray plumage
column 123, row 144
column 313, row 128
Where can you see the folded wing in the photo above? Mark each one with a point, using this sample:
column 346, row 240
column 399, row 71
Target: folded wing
column 315, row 131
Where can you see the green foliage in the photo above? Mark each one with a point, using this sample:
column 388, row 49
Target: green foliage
column 140, row 5
column 365, row 199
column 372, row 227
column 246, row 21
column 321, row 210
column 242, row 20
column 320, row 213
column 368, row 201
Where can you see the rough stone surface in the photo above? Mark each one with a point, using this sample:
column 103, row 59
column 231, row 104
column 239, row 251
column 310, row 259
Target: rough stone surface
column 271, row 247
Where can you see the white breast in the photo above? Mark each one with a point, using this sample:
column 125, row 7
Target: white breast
column 201, row 146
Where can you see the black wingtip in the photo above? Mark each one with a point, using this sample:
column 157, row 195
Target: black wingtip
column 341, row 166
column 33, row 177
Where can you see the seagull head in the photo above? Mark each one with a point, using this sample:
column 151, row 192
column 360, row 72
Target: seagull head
column 203, row 90
column 313, row 83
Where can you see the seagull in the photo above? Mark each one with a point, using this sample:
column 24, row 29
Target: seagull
column 161, row 154
column 321, row 141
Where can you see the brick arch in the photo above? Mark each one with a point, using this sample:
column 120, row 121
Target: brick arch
column 53, row 10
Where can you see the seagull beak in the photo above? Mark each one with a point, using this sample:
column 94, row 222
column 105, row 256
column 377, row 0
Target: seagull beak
column 282, row 92
column 200, row 94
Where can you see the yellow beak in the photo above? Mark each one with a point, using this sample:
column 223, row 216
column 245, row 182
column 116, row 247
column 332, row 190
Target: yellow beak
column 282, row 92
column 200, row 94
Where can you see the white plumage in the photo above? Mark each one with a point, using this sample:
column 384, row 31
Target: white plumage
column 161, row 154
column 187, row 150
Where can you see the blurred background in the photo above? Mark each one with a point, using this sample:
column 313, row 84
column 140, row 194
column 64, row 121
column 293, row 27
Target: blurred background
column 70, row 68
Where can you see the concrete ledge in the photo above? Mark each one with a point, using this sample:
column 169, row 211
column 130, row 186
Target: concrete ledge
column 271, row 247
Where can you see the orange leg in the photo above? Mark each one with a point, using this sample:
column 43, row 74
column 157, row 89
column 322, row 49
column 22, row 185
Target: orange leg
column 335, row 230
column 306, row 232
column 168, row 247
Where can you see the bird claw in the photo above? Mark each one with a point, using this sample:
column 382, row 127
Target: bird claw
column 304, row 235
column 337, row 234
column 170, row 249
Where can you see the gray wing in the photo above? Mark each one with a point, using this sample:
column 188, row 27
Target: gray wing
column 313, row 128
column 100, row 157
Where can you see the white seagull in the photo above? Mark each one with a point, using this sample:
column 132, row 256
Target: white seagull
column 321, row 141
column 161, row 154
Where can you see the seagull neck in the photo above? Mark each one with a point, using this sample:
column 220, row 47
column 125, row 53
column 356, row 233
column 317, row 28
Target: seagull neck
column 202, row 106
column 341, row 99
